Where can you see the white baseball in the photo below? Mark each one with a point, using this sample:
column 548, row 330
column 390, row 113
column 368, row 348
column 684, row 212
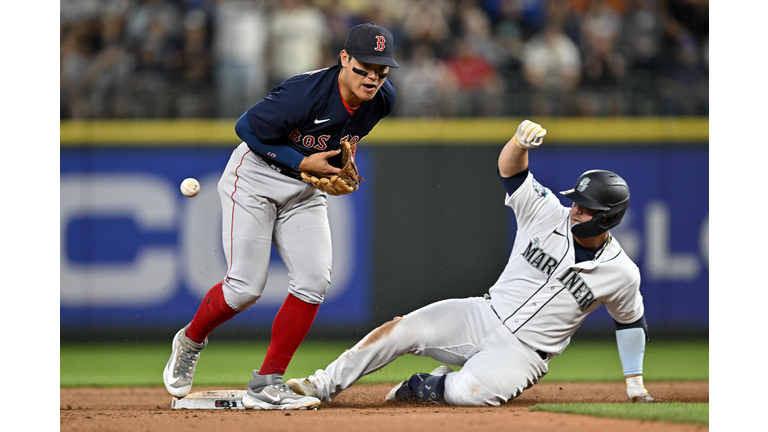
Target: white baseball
column 190, row 187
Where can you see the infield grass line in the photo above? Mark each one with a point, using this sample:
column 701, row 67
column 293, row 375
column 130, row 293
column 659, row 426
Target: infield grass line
column 676, row 412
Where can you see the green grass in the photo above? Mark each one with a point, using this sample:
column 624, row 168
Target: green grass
column 221, row 364
column 665, row 360
column 669, row 412
column 230, row 363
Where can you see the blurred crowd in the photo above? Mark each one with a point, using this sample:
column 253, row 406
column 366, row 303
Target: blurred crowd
column 216, row 58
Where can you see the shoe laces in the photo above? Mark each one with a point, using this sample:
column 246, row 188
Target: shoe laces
column 186, row 361
column 282, row 387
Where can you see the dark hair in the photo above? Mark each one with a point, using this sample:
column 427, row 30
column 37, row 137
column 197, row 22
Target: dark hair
column 339, row 59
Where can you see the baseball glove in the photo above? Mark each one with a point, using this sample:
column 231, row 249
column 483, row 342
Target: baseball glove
column 343, row 183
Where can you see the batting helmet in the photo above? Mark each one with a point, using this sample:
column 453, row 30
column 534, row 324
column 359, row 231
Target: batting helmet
column 599, row 190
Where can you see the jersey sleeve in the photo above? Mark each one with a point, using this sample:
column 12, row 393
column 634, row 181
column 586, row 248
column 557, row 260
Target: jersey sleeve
column 511, row 184
column 275, row 116
column 283, row 154
column 626, row 304
column 534, row 204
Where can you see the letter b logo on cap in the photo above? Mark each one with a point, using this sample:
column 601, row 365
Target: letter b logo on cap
column 380, row 41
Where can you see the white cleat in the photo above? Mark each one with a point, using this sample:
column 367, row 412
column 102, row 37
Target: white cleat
column 392, row 396
column 268, row 392
column 180, row 370
column 303, row 386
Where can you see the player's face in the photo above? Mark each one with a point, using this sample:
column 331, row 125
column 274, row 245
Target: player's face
column 581, row 214
column 362, row 80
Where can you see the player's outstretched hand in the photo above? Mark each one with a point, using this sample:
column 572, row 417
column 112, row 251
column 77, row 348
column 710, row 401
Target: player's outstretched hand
column 636, row 391
column 529, row 134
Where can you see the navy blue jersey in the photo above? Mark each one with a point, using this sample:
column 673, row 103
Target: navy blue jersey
column 308, row 114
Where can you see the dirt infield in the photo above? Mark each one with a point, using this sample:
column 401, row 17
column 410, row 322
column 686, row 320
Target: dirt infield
column 362, row 408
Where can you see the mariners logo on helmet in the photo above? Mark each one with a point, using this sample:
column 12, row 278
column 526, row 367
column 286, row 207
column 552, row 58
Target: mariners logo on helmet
column 583, row 184
column 599, row 190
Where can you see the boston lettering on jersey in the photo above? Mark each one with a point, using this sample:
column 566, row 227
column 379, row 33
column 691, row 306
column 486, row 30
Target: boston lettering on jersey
column 578, row 288
column 319, row 143
column 539, row 259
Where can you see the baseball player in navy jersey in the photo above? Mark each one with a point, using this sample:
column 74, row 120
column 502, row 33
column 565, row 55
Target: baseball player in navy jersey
column 264, row 201
column 564, row 264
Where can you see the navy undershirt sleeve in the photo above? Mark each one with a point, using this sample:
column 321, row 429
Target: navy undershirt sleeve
column 511, row 184
column 280, row 153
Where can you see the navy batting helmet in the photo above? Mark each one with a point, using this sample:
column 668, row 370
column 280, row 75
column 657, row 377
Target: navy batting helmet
column 599, row 190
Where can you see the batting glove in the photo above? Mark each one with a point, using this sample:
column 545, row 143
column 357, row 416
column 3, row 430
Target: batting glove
column 529, row 134
column 637, row 392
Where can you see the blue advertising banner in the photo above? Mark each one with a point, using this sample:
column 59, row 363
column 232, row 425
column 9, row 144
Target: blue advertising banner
column 136, row 253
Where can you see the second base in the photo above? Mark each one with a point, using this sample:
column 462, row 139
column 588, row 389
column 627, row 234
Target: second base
column 215, row 399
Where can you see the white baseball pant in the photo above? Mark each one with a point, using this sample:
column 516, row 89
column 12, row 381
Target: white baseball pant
column 260, row 207
column 497, row 366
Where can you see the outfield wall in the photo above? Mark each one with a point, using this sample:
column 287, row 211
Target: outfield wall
column 428, row 223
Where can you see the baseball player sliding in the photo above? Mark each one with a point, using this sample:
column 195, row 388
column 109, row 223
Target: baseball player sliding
column 564, row 265
column 273, row 191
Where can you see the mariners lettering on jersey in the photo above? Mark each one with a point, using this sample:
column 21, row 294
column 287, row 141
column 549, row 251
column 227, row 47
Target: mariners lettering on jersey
column 539, row 259
column 578, row 288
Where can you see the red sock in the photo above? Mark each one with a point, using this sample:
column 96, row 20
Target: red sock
column 289, row 329
column 213, row 312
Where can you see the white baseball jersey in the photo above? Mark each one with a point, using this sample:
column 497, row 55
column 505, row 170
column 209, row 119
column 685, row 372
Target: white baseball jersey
column 542, row 295
column 538, row 302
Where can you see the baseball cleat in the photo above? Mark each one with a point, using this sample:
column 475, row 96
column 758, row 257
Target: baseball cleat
column 268, row 392
column 402, row 392
column 303, row 386
column 180, row 370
